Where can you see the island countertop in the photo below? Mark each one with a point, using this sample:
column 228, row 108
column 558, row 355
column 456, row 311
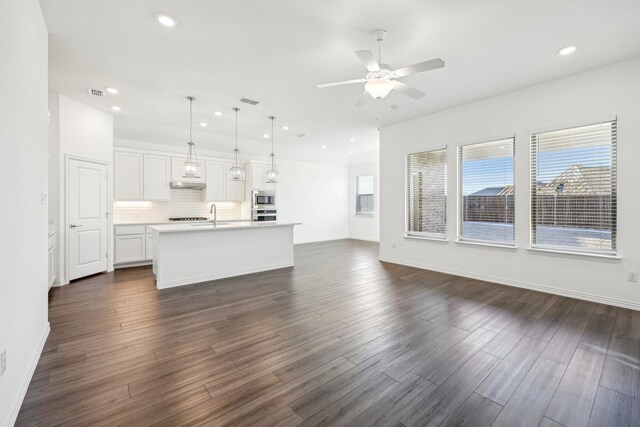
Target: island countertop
column 222, row 225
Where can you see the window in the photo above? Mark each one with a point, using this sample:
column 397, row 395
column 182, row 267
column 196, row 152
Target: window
column 364, row 195
column 573, row 189
column 426, row 192
column 487, row 192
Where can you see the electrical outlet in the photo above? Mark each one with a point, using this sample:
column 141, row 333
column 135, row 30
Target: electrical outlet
column 3, row 362
column 632, row 276
column 393, row 245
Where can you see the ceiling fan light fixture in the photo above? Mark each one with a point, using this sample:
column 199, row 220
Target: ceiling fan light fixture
column 378, row 88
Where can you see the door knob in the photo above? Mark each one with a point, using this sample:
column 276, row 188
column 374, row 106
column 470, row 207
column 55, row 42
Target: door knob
column 74, row 226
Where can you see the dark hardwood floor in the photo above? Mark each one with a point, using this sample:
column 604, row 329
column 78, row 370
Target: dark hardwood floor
column 340, row 339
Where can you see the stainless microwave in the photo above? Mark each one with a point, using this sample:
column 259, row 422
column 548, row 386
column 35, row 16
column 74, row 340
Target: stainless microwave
column 263, row 198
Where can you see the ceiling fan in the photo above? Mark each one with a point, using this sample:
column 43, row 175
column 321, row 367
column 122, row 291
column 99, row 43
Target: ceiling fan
column 381, row 78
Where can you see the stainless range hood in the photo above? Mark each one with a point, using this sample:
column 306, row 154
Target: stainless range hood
column 188, row 185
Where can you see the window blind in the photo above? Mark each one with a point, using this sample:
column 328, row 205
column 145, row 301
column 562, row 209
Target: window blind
column 364, row 195
column 573, row 188
column 486, row 192
column 426, row 194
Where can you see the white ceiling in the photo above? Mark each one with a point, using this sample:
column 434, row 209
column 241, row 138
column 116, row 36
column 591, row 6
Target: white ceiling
column 277, row 51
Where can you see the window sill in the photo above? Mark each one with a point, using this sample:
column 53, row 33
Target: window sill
column 364, row 214
column 433, row 239
column 489, row 244
column 576, row 253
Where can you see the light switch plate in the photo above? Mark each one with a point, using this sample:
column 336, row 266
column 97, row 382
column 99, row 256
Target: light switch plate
column 632, row 276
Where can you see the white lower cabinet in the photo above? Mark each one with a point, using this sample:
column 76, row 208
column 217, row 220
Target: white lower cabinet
column 148, row 246
column 130, row 248
column 133, row 244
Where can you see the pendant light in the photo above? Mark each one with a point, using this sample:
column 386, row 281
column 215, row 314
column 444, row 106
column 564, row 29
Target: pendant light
column 191, row 166
column 272, row 173
column 236, row 171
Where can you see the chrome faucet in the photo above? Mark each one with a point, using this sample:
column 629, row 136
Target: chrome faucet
column 214, row 210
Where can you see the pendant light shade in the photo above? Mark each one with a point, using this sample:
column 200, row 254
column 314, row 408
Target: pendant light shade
column 272, row 173
column 191, row 165
column 236, row 171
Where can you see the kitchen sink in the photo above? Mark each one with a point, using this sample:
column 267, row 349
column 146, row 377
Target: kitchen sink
column 209, row 224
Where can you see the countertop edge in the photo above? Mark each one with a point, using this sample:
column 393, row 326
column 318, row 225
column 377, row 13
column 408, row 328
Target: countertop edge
column 183, row 228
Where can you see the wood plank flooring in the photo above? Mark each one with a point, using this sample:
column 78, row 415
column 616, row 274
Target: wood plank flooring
column 341, row 339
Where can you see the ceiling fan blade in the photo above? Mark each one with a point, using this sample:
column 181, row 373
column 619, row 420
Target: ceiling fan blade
column 363, row 99
column 420, row 67
column 407, row 90
column 369, row 61
column 345, row 82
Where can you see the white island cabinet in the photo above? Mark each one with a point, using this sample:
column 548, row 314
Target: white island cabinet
column 184, row 254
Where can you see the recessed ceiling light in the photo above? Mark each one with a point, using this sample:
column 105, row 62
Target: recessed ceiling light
column 323, row 147
column 166, row 20
column 203, row 124
column 285, row 127
column 116, row 108
column 266, row 135
column 217, row 113
column 112, row 90
column 568, row 50
column 352, row 139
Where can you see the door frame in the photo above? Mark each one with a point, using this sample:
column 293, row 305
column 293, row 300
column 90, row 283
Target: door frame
column 67, row 246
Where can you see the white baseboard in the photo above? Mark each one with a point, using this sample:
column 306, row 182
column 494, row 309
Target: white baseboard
column 132, row 264
column 364, row 239
column 24, row 384
column 200, row 279
column 301, row 242
column 520, row 284
column 57, row 283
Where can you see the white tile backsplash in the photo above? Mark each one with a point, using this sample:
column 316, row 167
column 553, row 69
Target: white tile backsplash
column 184, row 202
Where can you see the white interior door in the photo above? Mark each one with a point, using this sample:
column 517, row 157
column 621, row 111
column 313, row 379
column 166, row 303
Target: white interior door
column 87, row 203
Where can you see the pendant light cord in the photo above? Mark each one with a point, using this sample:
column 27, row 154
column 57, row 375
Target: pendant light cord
column 191, row 119
column 272, row 119
column 236, row 109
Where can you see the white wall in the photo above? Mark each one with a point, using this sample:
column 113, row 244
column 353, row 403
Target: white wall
column 364, row 227
column 578, row 99
column 77, row 130
column 23, row 172
column 313, row 193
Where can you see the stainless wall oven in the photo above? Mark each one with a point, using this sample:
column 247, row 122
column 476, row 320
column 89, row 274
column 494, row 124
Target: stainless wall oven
column 265, row 215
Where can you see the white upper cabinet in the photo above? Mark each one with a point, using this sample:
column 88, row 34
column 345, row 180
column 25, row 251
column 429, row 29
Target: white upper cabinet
column 235, row 189
column 258, row 177
column 177, row 170
column 128, row 176
column 216, row 182
column 157, row 174
column 220, row 186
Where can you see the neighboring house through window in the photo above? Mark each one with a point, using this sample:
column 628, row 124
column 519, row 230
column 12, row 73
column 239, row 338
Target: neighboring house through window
column 574, row 190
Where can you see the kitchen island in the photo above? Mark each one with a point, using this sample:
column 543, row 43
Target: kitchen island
column 184, row 254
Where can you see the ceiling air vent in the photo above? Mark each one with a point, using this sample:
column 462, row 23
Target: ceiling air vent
column 96, row 92
column 249, row 101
